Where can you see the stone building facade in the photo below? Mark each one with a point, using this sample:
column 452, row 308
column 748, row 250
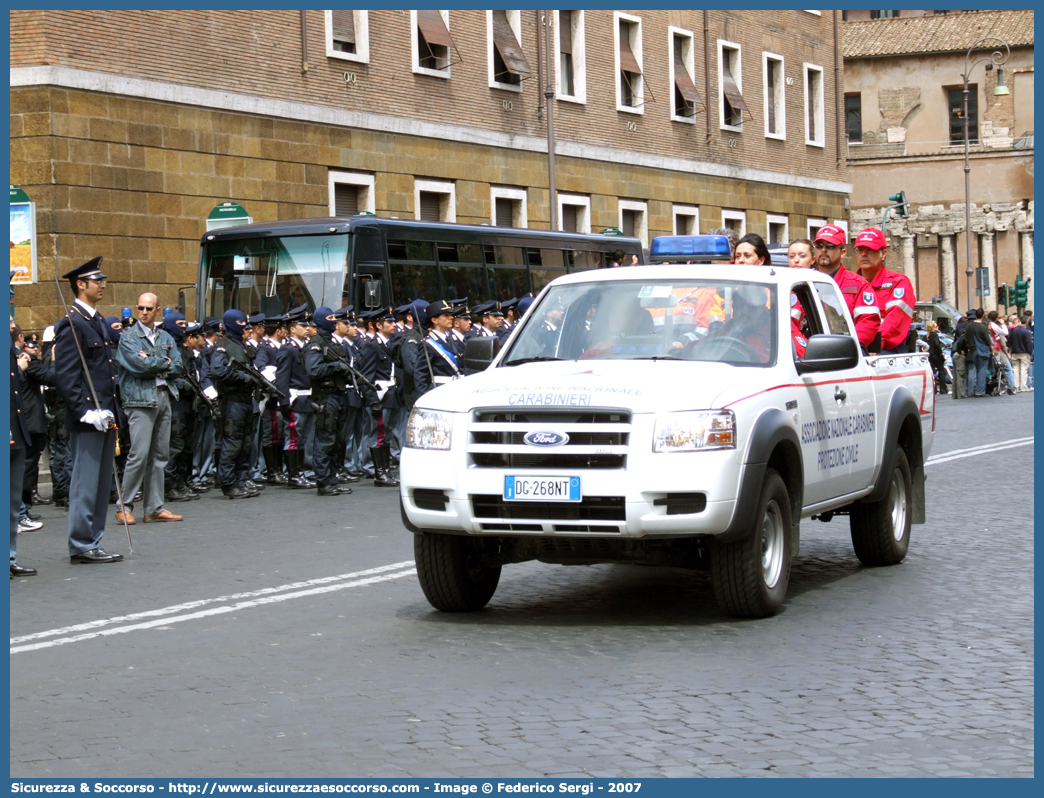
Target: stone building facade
column 904, row 107
column 127, row 144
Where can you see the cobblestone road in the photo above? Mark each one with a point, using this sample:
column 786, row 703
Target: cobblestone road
column 924, row 669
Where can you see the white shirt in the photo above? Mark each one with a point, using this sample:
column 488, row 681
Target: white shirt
column 91, row 312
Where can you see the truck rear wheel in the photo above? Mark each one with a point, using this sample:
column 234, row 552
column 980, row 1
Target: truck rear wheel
column 750, row 576
column 881, row 530
column 450, row 574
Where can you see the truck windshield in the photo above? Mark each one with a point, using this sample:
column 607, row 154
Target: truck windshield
column 273, row 275
column 725, row 322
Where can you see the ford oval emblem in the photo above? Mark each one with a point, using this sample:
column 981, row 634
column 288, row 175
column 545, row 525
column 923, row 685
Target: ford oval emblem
column 546, row 438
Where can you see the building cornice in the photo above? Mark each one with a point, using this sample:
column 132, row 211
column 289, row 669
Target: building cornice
column 159, row 91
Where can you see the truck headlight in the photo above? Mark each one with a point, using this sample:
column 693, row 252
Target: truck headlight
column 429, row 429
column 695, row 431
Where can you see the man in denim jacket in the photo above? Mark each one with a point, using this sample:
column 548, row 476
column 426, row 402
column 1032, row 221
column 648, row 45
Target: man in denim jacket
column 148, row 360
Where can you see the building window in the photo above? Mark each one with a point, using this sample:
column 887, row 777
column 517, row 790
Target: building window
column 435, row 200
column 574, row 213
column 630, row 85
column 634, row 220
column 814, row 113
column 854, row 117
column 350, row 193
column 508, row 66
column 884, row 14
column 434, row 51
column 734, row 220
column 348, row 35
column 775, row 109
column 731, row 106
column 956, row 97
column 813, row 227
column 778, row 229
column 508, row 207
column 686, row 220
column 571, row 63
column 685, row 99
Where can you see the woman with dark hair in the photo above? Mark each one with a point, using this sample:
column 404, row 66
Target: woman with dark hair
column 751, row 251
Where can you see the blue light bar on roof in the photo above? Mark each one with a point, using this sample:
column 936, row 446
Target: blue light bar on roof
column 698, row 249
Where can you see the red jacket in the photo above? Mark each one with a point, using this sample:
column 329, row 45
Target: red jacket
column 894, row 296
column 862, row 303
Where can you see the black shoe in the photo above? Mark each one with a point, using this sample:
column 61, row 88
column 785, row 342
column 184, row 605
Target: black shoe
column 276, row 478
column 299, row 483
column 255, row 486
column 236, row 492
column 189, row 492
column 98, row 555
column 61, row 501
column 32, row 516
column 333, row 490
column 17, row 570
column 358, row 472
column 38, row 499
column 177, row 495
column 347, row 478
column 199, row 486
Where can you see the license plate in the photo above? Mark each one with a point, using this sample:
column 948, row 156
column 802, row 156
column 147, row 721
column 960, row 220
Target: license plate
column 542, row 489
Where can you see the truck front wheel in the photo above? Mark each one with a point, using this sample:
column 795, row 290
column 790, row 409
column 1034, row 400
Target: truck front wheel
column 881, row 530
column 750, row 576
column 450, row 574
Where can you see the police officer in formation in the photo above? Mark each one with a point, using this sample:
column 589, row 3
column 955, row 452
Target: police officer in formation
column 387, row 418
column 328, row 372
column 438, row 361
column 295, row 405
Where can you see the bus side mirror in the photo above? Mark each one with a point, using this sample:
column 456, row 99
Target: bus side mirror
column 829, row 353
column 373, row 294
column 479, row 353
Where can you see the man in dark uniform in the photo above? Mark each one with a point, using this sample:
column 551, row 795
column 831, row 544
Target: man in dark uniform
column 182, row 409
column 82, row 339
column 328, row 371
column 508, row 306
column 57, row 434
column 353, row 402
column 296, row 416
column 437, row 364
column 204, row 443
column 271, row 427
column 236, row 392
column 380, row 370
column 405, row 352
column 20, row 438
column 358, row 412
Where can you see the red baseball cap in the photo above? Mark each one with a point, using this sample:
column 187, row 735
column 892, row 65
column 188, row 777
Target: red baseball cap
column 871, row 238
column 832, row 234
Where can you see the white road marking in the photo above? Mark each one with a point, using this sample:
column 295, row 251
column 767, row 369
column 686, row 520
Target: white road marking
column 189, row 605
column 958, row 454
column 192, row 616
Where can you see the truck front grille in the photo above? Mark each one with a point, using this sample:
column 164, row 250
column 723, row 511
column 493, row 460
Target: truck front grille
column 591, row 508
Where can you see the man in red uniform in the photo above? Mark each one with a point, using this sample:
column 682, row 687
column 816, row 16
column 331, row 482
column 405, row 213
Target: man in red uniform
column 893, row 292
column 859, row 296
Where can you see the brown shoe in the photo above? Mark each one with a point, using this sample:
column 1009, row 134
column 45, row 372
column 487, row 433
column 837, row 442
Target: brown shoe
column 163, row 515
column 125, row 514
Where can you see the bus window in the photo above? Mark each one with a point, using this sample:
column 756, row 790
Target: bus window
column 583, row 260
column 508, row 256
column 459, row 282
column 411, row 250
column 506, row 282
column 542, row 277
column 552, row 258
column 412, row 281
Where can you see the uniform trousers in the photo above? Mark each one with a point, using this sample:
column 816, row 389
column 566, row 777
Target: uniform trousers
column 329, row 425
column 237, row 424
column 149, row 451
column 92, row 455
column 179, row 463
column 17, row 475
column 203, row 443
column 299, row 434
column 354, row 437
column 59, row 460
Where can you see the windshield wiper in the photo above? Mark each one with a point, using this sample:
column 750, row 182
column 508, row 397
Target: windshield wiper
column 541, row 359
column 658, row 357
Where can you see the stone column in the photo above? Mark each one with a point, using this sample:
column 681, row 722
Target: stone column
column 948, row 265
column 909, row 267
column 988, row 262
column 1026, row 265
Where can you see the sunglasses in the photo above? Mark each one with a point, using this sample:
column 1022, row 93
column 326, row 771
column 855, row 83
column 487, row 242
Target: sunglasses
column 145, row 307
column 823, row 245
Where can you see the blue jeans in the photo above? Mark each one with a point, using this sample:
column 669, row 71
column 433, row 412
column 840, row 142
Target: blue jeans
column 977, row 371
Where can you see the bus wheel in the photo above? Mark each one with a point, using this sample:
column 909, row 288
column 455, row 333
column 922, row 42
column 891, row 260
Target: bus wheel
column 450, row 574
column 751, row 575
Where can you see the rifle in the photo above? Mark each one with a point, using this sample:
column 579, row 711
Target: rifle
column 190, row 378
column 259, row 382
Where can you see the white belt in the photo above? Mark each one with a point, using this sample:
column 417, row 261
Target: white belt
column 382, row 387
column 443, row 380
column 294, row 393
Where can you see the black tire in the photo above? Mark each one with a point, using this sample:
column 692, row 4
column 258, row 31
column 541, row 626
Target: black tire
column 450, row 575
column 751, row 576
column 881, row 530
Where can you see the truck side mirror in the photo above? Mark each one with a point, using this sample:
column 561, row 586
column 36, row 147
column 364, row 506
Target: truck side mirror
column 479, row 353
column 829, row 353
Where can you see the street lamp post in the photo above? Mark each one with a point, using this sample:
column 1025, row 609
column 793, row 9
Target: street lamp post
column 994, row 59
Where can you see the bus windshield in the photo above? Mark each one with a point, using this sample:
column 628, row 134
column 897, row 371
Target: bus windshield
column 724, row 322
column 273, row 275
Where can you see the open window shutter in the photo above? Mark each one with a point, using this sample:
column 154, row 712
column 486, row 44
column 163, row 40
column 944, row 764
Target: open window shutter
column 344, row 26
column 682, row 80
column 434, row 29
column 346, row 199
column 507, row 45
column 565, row 32
column 732, row 92
column 628, row 63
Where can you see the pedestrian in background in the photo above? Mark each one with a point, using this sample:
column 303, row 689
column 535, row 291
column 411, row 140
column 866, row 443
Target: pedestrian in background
column 979, row 348
column 20, row 437
column 1020, row 341
column 936, row 357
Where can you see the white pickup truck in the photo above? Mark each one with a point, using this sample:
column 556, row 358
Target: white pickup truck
column 661, row 415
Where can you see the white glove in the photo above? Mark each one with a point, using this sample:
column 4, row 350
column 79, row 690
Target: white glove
column 48, row 334
column 269, row 372
column 99, row 419
column 210, row 392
